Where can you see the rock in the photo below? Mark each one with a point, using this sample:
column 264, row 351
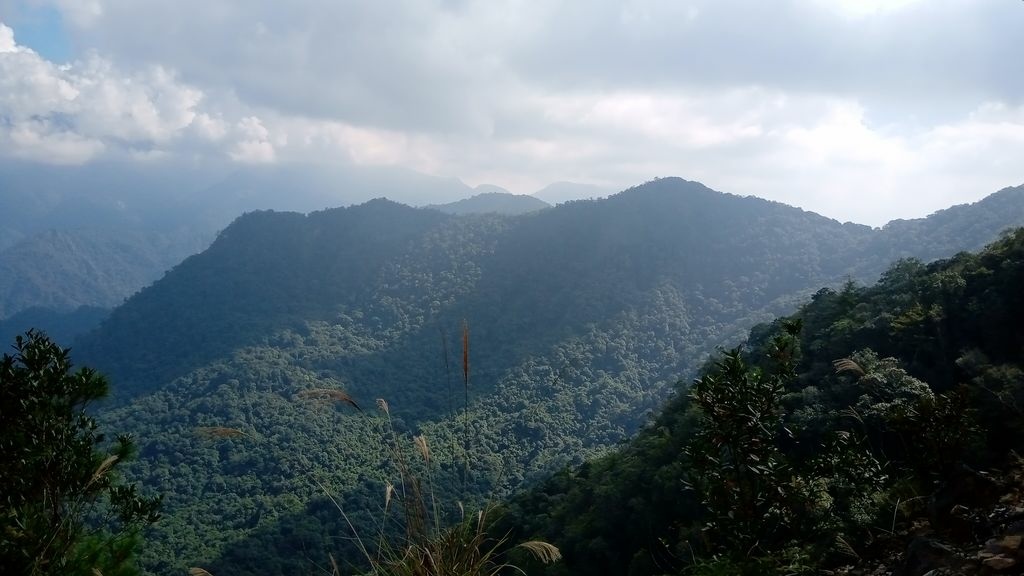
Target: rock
column 925, row 555
column 963, row 487
column 999, row 563
column 1011, row 543
column 960, row 511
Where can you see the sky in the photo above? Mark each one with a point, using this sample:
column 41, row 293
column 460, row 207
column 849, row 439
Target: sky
column 862, row 110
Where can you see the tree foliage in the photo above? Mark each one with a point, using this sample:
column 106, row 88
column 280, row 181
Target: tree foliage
column 888, row 395
column 63, row 510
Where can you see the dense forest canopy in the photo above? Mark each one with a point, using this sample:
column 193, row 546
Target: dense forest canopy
column 892, row 393
column 582, row 317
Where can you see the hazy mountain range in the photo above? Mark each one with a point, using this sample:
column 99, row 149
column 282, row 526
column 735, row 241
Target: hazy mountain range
column 581, row 318
column 77, row 236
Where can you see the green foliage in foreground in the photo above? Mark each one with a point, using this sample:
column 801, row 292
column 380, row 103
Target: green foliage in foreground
column 801, row 451
column 62, row 510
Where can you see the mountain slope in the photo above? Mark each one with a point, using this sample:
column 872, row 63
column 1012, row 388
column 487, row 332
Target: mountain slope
column 966, row 227
column 581, row 318
column 92, row 235
column 61, row 271
column 931, row 387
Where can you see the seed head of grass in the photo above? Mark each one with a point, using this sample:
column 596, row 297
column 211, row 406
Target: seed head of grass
column 847, row 365
column 102, row 469
column 422, row 447
column 546, row 553
column 329, row 395
column 389, row 492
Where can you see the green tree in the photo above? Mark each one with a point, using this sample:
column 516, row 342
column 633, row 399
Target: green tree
column 737, row 468
column 62, row 510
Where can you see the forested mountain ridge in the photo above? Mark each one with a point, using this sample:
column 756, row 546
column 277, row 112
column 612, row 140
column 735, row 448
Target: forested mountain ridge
column 581, row 318
column 93, row 235
column 891, row 446
column 493, row 203
column 962, row 227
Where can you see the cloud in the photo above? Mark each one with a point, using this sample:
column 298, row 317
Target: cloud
column 860, row 110
column 254, row 145
column 7, row 44
column 92, row 108
column 74, row 112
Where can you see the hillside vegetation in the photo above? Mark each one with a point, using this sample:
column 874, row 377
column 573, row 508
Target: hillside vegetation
column 866, row 430
column 581, row 320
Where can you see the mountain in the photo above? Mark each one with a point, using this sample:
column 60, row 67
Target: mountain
column 202, row 197
column 62, row 270
column 966, row 227
column 559, row 192
column 92, row 235
column 493, row 203
column 580, row 320
column 897, row 391
column 130, row 222
column 60, row 326
column 490, row 189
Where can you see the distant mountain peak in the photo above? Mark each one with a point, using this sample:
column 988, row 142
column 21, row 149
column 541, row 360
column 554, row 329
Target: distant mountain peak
column 490, row 189
column 493, row 201
column 559, row 192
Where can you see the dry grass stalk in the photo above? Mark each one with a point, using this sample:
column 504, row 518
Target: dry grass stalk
column 424, row 449
column 214, row 432
column 329, row 395
column 847, row 365
column 844, row 548
column 546, row 553
column 389, row 492
column 198, row 572
column 103, row 468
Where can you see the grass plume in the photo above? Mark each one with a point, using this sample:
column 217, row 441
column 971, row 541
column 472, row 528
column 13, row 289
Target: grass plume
column 329, row 395
column 102, row 469
column 543, row 551
column 847, row 365
column 422, row 447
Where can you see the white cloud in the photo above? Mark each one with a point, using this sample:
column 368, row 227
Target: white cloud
column 90, row 107
column 150, row 106
column 37, row 140
column 210, row 127
column 253, row 145
column 7, row 44
column 860, row 109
